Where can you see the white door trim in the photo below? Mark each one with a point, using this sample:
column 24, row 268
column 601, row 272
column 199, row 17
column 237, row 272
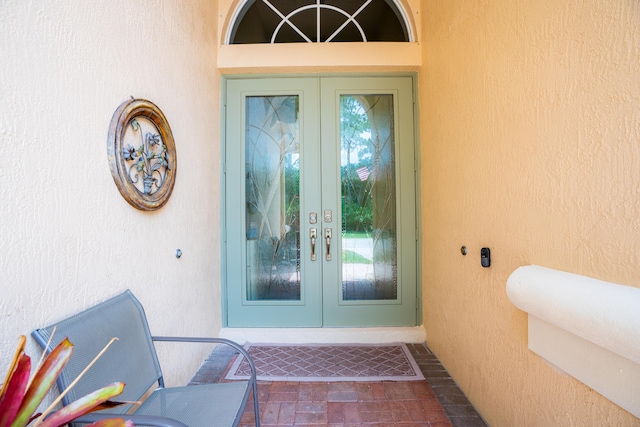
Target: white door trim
column 380, row 335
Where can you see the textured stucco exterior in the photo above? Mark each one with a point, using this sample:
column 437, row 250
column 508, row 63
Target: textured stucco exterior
column 529, row 133
column 530, row 141
column 67, row 237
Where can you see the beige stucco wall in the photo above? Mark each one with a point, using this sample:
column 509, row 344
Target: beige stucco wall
column 67, row 237
column 530, row 139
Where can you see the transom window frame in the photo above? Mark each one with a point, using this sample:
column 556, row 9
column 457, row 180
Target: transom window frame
column 350, row 18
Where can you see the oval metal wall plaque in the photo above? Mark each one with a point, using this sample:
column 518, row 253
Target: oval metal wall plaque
column 142, row 154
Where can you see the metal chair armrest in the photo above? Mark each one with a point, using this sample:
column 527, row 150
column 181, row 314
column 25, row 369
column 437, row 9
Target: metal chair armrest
column 230, row 343
column 138, row 420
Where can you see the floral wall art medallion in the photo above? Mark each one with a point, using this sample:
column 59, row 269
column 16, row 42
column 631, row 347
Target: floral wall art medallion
column 142, row 154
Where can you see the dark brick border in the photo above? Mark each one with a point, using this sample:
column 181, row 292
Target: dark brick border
column 458, row 408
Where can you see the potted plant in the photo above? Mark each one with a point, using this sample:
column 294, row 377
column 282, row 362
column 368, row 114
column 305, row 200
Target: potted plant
column 21, row 393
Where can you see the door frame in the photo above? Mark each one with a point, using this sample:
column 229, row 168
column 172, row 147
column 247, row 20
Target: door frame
column 223, row 196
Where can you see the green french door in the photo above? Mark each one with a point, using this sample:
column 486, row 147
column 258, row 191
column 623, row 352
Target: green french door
column 320, row 211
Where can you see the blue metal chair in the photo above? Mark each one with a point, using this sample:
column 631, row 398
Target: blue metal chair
column 132, row 359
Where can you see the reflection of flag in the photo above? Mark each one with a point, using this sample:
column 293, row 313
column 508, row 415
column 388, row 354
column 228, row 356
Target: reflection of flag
column 363, row 173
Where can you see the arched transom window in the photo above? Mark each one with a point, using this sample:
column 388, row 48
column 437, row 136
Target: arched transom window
column 318, row 21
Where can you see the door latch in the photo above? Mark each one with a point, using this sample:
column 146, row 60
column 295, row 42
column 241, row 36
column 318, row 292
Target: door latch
column 313, row 233
column 327, row 236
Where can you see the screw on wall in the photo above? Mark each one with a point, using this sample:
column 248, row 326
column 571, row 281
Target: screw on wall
column 178, row 253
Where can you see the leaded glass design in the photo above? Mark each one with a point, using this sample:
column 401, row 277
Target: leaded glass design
column 368, row 181
column 317, row 21
column 272, row 186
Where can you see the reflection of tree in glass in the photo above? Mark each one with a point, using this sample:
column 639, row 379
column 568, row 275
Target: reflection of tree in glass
column 355, row 135
column 363, row 165
column 368, row 188
column 272, row 188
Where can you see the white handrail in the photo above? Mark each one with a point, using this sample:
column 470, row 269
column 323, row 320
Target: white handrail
column 606, row 314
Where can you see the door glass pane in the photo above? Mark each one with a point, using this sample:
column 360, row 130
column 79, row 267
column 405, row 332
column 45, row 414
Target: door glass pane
column 368, row 198
column 272, row 183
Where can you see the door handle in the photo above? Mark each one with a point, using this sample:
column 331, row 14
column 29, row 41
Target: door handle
column 327, row 236
column 313, row 233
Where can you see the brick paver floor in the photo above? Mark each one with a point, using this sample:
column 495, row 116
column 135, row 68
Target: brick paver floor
column 436, row 402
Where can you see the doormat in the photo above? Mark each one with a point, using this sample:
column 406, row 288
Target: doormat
column 328, row 363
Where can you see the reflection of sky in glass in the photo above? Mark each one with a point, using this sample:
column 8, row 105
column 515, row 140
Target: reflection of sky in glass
column 294, row 160
column 355, row 154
